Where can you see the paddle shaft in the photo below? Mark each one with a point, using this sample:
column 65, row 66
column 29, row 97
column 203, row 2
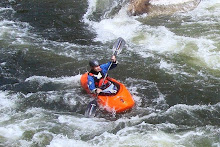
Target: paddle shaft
column 114, row 54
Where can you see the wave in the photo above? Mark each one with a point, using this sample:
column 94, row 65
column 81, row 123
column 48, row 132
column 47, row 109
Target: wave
column 143, row 37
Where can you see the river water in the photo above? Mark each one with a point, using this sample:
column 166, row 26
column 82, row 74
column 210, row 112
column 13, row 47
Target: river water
column 171, row 66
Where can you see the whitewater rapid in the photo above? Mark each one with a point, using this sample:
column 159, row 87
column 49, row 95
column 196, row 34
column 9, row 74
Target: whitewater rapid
column 145, row 38
column 170, row 65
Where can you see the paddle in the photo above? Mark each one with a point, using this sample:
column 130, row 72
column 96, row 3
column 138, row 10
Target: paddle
column 91, row 108
column 117, row 48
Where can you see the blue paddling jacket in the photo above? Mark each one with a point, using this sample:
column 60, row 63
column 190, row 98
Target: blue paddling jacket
column 94, row 77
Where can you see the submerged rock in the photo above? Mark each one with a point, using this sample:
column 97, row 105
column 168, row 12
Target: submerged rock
column 161, row 7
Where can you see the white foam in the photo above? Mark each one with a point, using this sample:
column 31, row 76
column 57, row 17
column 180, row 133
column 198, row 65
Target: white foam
column 75, row 80
column 7, row 101
column 14, row 32
column 190, row 109
column 208, row 53
column 7, row 106
column 120, row 25
column 86, row 125
column 63, row 141
column 11, row 131
column 207, row 10
column 132, row 136
column 5, row 9
column 191, row 134
column 169, row 2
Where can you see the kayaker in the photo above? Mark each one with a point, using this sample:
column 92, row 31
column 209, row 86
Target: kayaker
column 97, row 74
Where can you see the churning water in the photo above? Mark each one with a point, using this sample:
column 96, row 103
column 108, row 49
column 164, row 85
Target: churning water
column 171, row 65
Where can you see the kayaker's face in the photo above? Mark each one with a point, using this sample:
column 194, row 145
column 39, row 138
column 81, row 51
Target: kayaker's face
column 97, row 68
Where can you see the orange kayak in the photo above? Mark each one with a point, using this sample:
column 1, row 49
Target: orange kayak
column 118, row 102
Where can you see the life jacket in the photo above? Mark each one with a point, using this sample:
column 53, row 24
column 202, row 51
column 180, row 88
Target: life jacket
column 99, row 82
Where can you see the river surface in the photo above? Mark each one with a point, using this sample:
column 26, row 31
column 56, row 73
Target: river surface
column 171, row 66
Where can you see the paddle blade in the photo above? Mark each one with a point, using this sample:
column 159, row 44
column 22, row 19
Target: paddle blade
column 118, row 45
column 91, row 109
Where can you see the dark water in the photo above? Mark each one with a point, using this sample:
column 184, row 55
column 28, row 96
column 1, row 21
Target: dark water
column 171, row 66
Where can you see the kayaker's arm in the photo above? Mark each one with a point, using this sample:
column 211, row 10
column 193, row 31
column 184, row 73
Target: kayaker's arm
column 91, row 85
column 113, row 63
column 113, row 58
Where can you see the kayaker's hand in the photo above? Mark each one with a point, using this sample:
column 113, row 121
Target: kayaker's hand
column 98, row 90
column 113, row 58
